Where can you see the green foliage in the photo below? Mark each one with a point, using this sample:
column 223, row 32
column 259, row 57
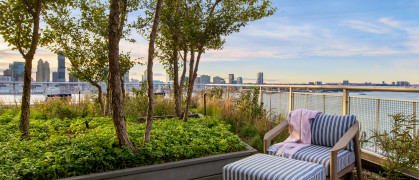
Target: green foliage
column 246, row 116
column 63, row 108
column 399, row 145
column 63, row 148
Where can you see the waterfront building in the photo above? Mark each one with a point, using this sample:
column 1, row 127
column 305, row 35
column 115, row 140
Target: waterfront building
column 144, row 76
column 61, row 67
column 5, row 78
column 126, row 77
column 218, row 80
column 47, row 72
column 71, row 78
column 231, row 79
column 55, row 76
column 239, row 80
column 259, row 78
column 345, row 82
column 169, row 78
column 197, row 80
column 42, row 71
column 319, row 83
column 134, row 80
column 17, row 71
column 205, row 79
column 403, row 83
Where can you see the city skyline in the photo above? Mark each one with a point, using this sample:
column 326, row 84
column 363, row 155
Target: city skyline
column 303, row 42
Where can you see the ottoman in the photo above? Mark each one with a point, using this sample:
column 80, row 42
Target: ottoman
column 266, row 167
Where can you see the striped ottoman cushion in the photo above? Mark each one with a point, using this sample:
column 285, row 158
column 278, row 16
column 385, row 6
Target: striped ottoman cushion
column 264, row 167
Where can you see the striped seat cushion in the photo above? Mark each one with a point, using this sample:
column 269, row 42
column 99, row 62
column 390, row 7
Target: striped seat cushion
column 264, row 167
column 321, row 155
column 326, row 130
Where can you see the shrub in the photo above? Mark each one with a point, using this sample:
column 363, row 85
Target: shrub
column 399, row 145
column 61, row 148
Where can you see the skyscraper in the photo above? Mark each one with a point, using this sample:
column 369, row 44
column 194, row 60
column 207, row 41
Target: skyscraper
column 205, row 79
column 239, row 80
column 46, row 72
column 71, row 78
column 61, row 67
column 144, row 76
column 55, row 76
column 260, row 78
column 231, row 79
column 40, row 71
column 218, row 80
column 345, row 82
column 17, row 71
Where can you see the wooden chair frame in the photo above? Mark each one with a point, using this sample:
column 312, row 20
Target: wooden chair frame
column 351, row 134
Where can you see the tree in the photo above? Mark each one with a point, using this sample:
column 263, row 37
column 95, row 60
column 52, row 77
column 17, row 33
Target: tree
column 150, row 73
column 115, row 32
column 20, row 28
column 84, row 40
column 194, row 26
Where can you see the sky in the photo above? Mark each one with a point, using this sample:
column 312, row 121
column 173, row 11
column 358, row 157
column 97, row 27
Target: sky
column 304, row 41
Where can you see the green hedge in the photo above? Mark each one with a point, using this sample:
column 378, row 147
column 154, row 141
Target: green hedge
column 62, row 148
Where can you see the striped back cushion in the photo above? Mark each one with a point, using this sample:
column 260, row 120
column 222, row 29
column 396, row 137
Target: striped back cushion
column 326, row 130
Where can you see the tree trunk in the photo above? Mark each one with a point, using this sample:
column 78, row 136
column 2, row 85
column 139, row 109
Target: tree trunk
column 99, row 98
column 123, row 89
column 176, row 87
column 192, row 76
column 150, row 112
column 182, row 78
column 26, row 95
column 115, row 84
column 190, row 82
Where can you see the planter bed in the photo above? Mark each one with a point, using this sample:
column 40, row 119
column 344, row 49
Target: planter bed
column 207, row 168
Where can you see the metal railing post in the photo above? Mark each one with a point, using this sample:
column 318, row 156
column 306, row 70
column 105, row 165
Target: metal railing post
column 345, row 101
column 260, row 96
column 414, row 116
column 307, row 102
column 291, row 100
column 377, row 123
column 324, row 104
column 280, row 102
column 205, row 104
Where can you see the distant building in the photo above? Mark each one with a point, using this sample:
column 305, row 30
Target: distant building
column 345, row 82
column 319, row 83
column 55, row 76
column 218, row 80
column 134, row 80
column 42, row 71
column 197, row 80
column 239, row 80
column 17, row 71
column 61, row 67
column 47, row 73
column 311, row 83
column 403, row 83
column 169, row 78
column 205, row 79
column 259, row 78
column 144, row 76
column 126, row 77
column 71, row 78
column 6, row 78
column 231, row 79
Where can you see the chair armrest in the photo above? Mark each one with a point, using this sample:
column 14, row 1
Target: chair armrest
column 272, row 134
column 346, row 138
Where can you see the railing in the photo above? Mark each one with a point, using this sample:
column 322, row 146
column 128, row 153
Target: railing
column 372, row 113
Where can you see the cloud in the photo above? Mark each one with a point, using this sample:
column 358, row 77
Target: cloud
column 390, row 22
column 367, row 27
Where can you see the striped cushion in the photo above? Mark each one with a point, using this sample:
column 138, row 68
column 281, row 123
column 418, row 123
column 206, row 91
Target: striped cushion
column 264, row 167
column 326, row 130
column 321, row 155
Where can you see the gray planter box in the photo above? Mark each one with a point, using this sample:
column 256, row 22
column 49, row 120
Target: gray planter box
column 204, row 168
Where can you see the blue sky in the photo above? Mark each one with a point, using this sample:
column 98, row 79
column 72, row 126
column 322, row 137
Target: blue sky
column 329, row 41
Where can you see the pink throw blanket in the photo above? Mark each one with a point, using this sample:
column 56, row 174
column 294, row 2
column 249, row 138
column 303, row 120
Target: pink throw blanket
column 300, row 134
